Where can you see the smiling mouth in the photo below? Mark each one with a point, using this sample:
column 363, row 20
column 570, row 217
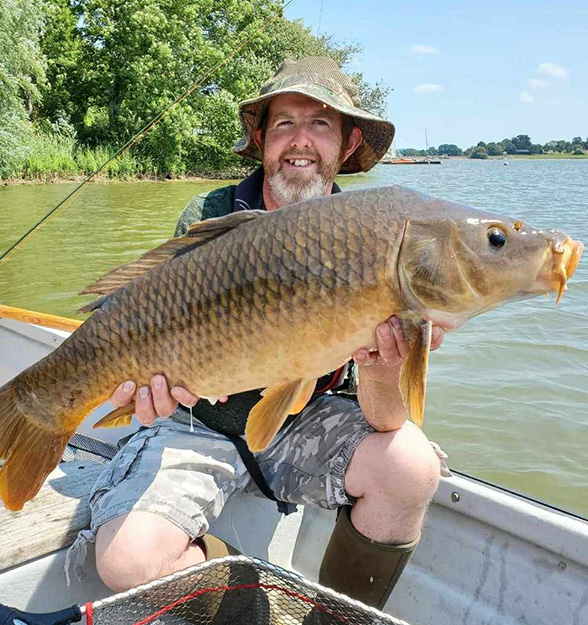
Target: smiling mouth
column 299, row 162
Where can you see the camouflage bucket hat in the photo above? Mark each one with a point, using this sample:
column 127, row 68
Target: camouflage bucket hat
column 321, row 79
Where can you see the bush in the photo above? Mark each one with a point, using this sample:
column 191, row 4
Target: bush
column 479, row 153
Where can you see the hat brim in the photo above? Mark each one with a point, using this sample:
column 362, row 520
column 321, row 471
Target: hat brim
column 377, row 133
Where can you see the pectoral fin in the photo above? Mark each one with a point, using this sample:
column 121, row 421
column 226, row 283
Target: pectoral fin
column 118, row 418
column 269, row 414
column 413, row 375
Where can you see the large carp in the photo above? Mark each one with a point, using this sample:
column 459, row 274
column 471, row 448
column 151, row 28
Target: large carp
column 275, row 300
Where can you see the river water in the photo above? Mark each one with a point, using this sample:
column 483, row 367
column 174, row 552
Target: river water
column 508, row 392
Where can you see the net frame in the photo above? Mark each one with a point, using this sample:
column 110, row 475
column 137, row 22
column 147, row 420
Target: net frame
column 293, row 586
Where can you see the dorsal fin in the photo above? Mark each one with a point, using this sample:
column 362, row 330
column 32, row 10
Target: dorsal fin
column 198, row 234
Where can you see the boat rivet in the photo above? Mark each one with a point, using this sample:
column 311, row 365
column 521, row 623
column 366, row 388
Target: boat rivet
column 55, row 339
column 454, row 497
column 562, row 566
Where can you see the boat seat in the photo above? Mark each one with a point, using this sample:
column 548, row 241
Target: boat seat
column 52, row 519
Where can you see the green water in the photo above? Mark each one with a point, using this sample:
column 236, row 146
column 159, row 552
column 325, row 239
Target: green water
column 508, row 392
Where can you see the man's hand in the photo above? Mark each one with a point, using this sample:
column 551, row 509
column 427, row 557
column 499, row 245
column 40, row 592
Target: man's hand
column 154, row 401
column 378, row 393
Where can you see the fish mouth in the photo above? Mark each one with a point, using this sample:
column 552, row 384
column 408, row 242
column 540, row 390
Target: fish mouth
column 564, row 260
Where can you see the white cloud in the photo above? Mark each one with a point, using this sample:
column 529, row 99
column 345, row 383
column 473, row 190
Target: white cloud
column 428, row 88
column 526, row 97
column 553, row 69
column 539, row 83
column 418, row 49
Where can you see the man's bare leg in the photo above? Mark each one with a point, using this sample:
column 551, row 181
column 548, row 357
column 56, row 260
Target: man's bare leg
column 138, row 547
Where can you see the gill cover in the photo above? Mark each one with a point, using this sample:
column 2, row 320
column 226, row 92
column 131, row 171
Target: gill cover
column 430, row 267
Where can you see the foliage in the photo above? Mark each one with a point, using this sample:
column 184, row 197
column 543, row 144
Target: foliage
column 479, row 152
column 449, row 149
column 494, row 149
column 22, row 73
column 114, row 65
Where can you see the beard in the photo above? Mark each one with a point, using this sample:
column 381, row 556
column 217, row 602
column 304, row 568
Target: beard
column 286, row 190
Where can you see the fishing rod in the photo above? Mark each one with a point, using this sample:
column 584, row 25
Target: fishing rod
column 60, row 208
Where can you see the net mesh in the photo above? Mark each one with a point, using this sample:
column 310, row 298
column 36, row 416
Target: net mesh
column 234, row 590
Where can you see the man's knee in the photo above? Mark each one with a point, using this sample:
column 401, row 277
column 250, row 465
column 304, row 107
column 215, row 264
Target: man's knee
column 400, row 464
column 137, row 548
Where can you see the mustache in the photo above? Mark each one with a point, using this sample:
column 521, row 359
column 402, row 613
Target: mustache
column 301, row 155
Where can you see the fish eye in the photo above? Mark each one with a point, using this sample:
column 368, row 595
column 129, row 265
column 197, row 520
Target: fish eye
column 496, row 237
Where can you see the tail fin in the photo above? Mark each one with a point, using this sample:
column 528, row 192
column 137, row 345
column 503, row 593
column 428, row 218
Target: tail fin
column 31, row 451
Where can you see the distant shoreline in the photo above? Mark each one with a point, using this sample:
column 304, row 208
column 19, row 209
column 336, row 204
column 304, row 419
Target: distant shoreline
column 238, row 175
column 220, row 177
column 508, row 157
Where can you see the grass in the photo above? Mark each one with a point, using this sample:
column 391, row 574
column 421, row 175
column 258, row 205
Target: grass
column 53, row 157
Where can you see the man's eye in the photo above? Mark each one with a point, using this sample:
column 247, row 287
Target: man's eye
column 320, row 122
column 284, row 123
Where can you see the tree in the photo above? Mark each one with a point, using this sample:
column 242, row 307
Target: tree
column 450, row 149
column 536, row 148
column 116, row 64
column 494, row 149
column 509, row 146
column 22, row 72
column 479, row 152
column 60, row 45
column 522, row 142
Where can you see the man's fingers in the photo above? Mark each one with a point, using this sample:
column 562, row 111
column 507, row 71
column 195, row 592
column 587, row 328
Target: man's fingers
column 402, row 345
column 163, row 402
column 123, row 395
column 386, row 343
column 183, row 396
column 144, row 409
column 364, row 357
column 437, row 338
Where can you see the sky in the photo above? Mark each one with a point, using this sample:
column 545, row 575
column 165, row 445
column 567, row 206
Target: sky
column 468, row 71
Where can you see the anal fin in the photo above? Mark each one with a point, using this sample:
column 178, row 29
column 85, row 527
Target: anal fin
column 269, row 414
column 413, row 375
column 118, row 418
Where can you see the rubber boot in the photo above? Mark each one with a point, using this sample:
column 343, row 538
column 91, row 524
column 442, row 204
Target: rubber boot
column 362, row 568
column 222, row 604
column 239, row 605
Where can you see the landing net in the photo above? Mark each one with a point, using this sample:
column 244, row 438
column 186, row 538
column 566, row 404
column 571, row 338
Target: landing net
column 233, row 590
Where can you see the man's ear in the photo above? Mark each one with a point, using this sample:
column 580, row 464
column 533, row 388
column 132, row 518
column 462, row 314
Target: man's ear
column 355, row 139
column 257, row 138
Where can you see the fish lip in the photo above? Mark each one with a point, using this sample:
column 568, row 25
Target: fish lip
column 559, row 267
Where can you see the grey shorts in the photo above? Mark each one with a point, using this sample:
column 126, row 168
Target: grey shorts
column 187, row 476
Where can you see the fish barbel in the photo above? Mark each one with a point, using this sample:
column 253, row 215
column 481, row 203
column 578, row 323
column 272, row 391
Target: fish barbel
column 275, row 300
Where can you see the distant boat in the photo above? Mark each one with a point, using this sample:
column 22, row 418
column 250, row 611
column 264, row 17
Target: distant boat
column 399, row 160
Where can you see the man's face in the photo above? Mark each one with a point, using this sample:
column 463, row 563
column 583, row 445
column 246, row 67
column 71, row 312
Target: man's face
column 301, row 149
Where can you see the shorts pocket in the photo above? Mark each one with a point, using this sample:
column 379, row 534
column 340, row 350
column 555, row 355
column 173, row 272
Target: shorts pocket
column 120, row 465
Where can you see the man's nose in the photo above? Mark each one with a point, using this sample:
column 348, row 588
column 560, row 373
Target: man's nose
column 301, row 138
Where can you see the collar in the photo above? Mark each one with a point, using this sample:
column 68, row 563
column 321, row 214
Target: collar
column 249, row 192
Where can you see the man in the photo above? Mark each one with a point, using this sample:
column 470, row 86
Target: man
column 153, row 505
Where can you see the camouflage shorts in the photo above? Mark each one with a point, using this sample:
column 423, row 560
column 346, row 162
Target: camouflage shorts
column 188, row 476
